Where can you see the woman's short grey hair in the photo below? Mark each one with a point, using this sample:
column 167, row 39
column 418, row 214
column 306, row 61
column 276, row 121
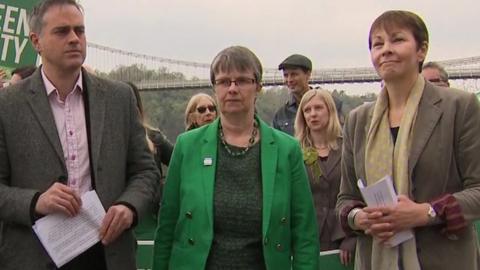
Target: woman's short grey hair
column 237, row 58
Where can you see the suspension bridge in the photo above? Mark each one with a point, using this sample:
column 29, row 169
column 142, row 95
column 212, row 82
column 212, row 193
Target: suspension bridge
column 195, row 75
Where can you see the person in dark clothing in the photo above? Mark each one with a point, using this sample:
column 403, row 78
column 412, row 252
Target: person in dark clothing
column 21, row 73
column 18, row 74
column 161, row 149
column 297, row 70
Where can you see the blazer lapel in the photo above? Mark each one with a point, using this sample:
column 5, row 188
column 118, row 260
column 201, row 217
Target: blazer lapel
column 361, row 169
column 333, row 159
column 40, row 105
column 268, row 155
column 427, row 118
column 208, row 153
column 369, row 119
column 96, row 108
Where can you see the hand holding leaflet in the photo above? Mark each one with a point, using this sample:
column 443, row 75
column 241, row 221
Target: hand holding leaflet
column 382, row 193
column 64, row 238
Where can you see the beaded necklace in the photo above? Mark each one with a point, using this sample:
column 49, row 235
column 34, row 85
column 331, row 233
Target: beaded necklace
column 251, row 141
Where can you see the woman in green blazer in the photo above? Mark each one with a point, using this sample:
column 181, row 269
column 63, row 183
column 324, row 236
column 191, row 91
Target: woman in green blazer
column 237, row 194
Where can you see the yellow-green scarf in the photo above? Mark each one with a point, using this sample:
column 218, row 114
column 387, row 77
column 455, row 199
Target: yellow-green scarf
column 383, row 158
column 310, row 157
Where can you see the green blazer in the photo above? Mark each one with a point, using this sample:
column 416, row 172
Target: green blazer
column 185, row 230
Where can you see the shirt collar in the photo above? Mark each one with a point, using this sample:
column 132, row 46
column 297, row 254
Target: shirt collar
column 292, row 101
column 50, row 87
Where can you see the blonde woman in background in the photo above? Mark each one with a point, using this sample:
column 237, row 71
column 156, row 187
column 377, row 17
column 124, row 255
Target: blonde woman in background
column 318, row 129
column 201, row 110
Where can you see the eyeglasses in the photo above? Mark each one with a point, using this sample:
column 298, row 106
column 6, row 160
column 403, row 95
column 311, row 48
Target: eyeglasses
column 439, row 82
column 436, row 80
column 203, row 109
column 240, row 82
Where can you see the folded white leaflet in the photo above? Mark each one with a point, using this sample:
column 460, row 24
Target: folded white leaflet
column 382, row 193
column 64, row 238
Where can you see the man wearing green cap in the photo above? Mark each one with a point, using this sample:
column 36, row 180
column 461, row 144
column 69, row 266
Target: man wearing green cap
column 296, row 74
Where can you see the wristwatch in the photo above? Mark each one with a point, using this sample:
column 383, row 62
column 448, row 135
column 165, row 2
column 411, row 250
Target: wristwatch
column 351, row 218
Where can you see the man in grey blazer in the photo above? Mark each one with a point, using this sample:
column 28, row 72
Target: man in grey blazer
column 63, row 132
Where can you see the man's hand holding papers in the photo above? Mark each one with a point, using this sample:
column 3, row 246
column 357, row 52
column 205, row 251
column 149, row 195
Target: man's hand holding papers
column 65, row 237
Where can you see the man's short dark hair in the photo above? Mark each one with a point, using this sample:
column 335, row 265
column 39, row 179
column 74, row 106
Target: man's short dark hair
column 24, row 71
column 35, row 19
column 441, row 70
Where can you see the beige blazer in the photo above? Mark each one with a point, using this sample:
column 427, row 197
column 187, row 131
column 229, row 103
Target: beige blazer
column 445, row 158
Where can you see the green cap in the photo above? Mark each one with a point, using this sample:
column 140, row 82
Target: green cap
column 296, row 60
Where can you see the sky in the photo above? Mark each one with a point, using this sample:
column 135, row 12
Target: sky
column 331, row 33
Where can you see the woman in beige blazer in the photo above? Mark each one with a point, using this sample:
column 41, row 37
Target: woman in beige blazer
column 427, row 139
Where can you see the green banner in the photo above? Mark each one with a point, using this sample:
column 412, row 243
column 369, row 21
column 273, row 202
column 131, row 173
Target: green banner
column 15, row 48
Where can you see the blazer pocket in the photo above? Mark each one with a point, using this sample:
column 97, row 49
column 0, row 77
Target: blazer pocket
column 7, row 250
column 179, row 258
column 179, row 230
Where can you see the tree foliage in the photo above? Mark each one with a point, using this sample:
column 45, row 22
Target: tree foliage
column 139, row 72
column 165, row 108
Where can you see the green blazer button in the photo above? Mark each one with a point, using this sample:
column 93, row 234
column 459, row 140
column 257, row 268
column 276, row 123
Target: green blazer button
column 189, row 215
column 283, row 220
column 279, row 247
column 191, row 241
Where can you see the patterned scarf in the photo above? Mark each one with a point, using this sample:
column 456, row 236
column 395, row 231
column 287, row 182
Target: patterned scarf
column 383, row 157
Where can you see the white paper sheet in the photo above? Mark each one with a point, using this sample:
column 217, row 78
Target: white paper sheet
column 382, row 193
column 65, row 237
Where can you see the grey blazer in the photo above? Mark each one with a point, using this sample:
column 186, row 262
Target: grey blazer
column 445, row 158
column 31, row 160
column 324, row 192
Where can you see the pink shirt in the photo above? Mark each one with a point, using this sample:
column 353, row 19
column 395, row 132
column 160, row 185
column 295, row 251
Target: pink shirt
column 72, row 130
